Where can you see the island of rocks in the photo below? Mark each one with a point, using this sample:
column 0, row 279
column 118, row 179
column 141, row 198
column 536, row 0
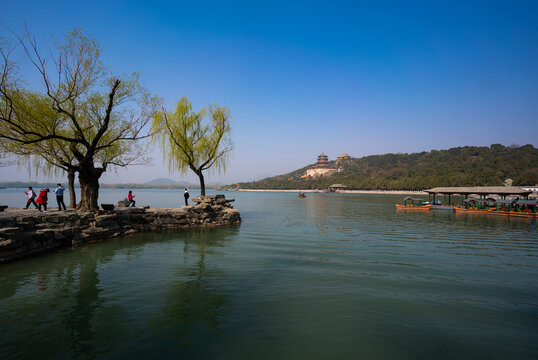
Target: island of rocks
column 28, row 232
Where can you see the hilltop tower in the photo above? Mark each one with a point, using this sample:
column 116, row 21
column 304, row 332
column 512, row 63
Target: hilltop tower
column 322, row 167
column 323, row 161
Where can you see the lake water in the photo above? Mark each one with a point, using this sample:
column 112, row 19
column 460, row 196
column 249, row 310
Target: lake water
column 330, row 276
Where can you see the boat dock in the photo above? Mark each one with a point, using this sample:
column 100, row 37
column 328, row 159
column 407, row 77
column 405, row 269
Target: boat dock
column 491, row 200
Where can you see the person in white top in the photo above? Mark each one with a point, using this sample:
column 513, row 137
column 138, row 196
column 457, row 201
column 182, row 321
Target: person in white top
column 31, row 197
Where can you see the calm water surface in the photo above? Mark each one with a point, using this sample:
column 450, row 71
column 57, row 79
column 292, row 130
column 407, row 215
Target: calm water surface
column 325, row 277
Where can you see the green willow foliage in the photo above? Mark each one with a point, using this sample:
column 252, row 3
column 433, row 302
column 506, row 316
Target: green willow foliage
column 196, row 141
column 461, row 166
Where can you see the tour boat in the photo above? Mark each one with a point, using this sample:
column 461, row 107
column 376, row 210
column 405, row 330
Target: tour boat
column 516, row 208
column 414, row 204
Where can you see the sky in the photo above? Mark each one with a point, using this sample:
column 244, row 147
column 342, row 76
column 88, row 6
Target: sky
column 305, row 77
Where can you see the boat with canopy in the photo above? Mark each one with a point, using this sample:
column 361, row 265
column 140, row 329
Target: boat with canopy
column 414, row 204
column 490, row 200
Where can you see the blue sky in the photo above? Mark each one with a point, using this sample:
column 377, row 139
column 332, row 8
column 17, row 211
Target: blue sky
column 304, row 77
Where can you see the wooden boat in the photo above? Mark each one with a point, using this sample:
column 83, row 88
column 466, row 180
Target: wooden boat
column 458, row 209
column 516, row 208
column 301, row 195
column 413, row 204
column 411, row 207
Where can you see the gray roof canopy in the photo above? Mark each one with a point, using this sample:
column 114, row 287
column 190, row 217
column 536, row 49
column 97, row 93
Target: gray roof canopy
column 480, row 190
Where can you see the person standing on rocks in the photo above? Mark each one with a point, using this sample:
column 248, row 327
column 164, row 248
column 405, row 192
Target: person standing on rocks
column 186, row 195
column 42, row 199
column 31, row 197
column 60, row 196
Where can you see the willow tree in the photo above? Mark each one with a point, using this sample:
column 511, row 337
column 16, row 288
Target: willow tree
column 51, row 157
column 45, row 158
column 6, row 159
column 99, row 117
column 194, row 140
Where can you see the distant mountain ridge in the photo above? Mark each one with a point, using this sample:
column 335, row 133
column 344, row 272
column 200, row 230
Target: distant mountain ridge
column 459, row 166
column 52, row 185
column 165, row 181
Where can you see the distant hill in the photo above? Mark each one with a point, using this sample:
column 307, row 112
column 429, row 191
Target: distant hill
column 34, row 184
column 52, row 185
column 460, row 166
column 163, row 181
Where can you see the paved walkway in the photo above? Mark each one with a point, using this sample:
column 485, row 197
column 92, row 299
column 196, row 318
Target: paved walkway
column 10, row 212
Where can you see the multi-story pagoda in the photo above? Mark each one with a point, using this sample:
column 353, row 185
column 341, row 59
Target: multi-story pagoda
column 322, row 167
column 323, row 161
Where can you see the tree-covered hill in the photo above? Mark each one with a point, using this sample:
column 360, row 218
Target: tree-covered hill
column 461, row 166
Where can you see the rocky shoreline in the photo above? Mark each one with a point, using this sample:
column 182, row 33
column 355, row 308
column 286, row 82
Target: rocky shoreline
column 25, row 233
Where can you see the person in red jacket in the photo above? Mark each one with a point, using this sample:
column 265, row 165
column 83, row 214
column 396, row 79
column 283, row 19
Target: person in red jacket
column 130, row 197
column 42, row 199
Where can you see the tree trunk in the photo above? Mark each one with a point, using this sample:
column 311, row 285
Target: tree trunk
column 202, row 183
column 71, row 186
column 88, row 177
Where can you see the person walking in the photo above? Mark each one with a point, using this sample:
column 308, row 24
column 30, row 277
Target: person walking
column 130, row 197
column 42, row 199
column 59, row 191
column 186, row 195
column 31, row 197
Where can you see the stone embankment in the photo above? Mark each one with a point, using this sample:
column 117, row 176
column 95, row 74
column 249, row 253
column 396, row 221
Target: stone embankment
column 28, row 232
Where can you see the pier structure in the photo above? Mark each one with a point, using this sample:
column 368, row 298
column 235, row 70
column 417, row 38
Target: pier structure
column 491, row 200
column 483, row 192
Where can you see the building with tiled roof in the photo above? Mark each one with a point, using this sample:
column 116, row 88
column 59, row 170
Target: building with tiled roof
column 323, row 161
column 321, row 168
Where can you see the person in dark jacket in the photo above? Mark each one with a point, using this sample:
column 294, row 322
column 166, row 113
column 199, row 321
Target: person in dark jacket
column 186, row 195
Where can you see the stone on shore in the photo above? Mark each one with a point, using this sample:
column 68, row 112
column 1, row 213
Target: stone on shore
column 27, row 232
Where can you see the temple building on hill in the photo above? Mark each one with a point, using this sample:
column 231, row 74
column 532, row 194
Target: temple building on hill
column 322, row 167
column 342, row 160
column 323, row 161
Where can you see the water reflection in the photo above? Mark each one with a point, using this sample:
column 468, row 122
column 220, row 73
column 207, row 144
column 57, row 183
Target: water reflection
column 62, row 300
column 81, row 320
column 193, row 304
column 79, row 301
